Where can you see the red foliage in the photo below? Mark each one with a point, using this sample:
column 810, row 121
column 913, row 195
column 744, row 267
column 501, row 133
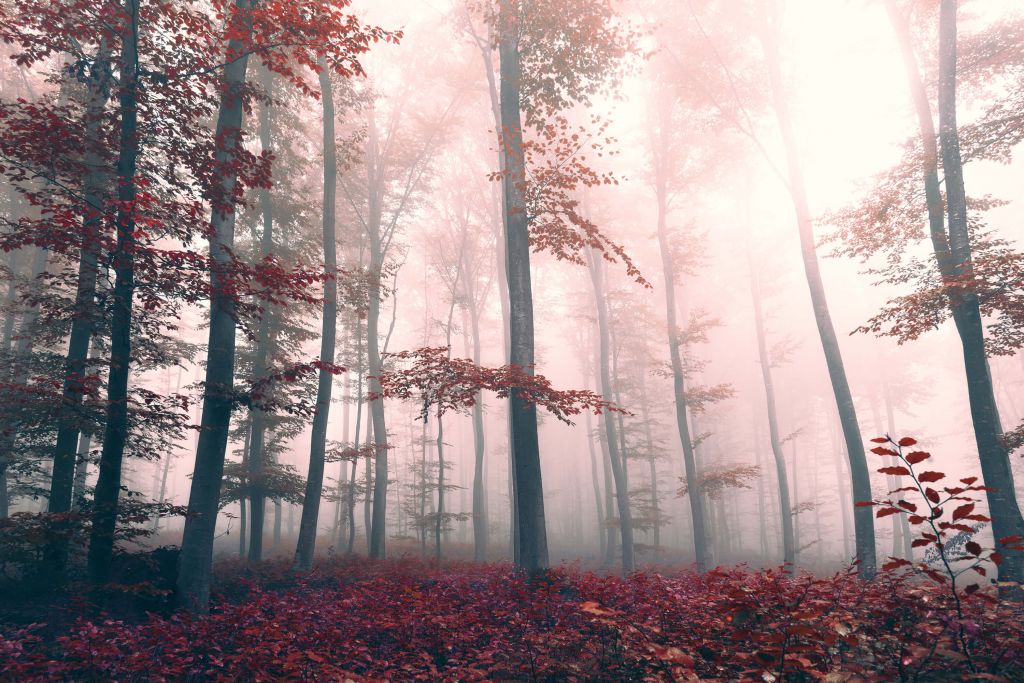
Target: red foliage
column 430, row 376
column 360, row 620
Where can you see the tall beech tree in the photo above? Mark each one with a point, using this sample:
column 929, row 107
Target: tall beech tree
column 955, row 256
column 770, row 36
column 616, row 453
column 196, row 557
column 766, row 362
column 282, row 36
column 108, row 486
column 573, row 49
column 325, row 382
column 662, row 148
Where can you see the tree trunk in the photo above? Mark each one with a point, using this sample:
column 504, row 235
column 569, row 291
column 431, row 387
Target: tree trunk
column 864, row 526
column 168, row 456
column 486, row 52
column 18, row 377
column 256, row 461
column 108, row 486
column 532, row 543
column 377, row 530
column 277, row 523
column 318, row 440
column 617, row 463
column 701, row 545
column 81, row 470
column 597, row 483
column 439, row 518
column 196, row 558
column 479, row 448
column 994, row 455
column 785, row 506
column 906, row 539
column 84, row 321
column 651, row 461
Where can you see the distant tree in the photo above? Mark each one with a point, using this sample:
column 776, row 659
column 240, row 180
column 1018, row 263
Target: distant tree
column 552, row 55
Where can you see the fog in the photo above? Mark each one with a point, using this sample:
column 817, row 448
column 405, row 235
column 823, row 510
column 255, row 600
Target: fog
column 689, row 108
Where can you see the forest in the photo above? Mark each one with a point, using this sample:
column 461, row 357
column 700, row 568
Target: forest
column 511, row 340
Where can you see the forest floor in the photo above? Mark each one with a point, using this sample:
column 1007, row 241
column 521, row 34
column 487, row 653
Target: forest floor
column 353, row 619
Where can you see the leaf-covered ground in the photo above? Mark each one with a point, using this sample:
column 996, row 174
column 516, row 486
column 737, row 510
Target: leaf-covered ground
column 401, row 620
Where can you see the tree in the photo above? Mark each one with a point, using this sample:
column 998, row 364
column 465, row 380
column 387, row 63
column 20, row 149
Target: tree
column 952, row 246
column 863, row 521
column 249, row 30
column 108, row 487
column 540, row 174
column 314, row 480
column 615, row 454
column 766, row 363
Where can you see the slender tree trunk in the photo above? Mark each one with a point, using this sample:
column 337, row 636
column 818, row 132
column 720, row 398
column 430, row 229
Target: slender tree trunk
column 995, row 461
column 368, row 488
column 486, row 51
column 795, row 512
column 12, row 293
column 19, row 373
column 480, row 530
column 652, row 462
column 953, row 255
column 346, row 409
column 81, row 470
column 377, row 530
column 861, row 483
column 256, row 461
column 167, row 457
column 318, row 440
column 906, row 539
column 528, row 488
column 617, row 464
column 762, row 526
column 785, row 506
column 243, row 509
column 196, row 558
column 439, row 518
column 597, row 483
column 84, row 321
column 701, row 544
column 277, row 523
column 108, row 486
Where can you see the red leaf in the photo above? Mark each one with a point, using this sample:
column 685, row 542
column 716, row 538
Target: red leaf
column 894, row 470
column 973, row 548
column 895, row 563
column 907, row 506
column 880, row 439
column 963, row 511
column 915, row 457
column 932, row 495
column 930, row 476
column 878, row 450
column 969, row 480
column 885, row 512
column 864, row 503
column 997, row 558
column 1007, row 540
column 919, row 542
column 907, row 441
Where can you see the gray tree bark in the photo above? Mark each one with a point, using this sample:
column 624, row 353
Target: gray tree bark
column 318, row 440
column 196, row 558
column 864, row 526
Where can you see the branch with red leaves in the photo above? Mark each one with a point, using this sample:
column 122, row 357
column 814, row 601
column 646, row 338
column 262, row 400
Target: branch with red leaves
column 448, row 384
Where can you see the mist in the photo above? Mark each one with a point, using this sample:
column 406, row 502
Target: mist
column 710, row 291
